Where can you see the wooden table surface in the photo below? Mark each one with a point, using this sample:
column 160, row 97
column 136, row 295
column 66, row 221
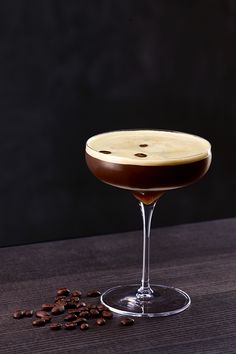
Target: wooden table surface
column 198, row 258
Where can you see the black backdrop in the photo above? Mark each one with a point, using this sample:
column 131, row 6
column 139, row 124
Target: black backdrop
column 70, row 69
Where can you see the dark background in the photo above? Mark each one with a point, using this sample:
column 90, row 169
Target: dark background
column 70, row 69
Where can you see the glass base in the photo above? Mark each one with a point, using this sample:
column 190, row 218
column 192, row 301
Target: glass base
column 165, row 301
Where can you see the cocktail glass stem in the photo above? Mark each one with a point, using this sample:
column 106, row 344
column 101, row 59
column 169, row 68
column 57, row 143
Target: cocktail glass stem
column 145, row 291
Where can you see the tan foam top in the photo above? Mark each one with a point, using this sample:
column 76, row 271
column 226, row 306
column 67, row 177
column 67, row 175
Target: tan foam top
column 148, row 147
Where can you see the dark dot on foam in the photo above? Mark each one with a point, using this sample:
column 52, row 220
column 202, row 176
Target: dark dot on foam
column 140, row 154
column 143, row 145
column 105, row 152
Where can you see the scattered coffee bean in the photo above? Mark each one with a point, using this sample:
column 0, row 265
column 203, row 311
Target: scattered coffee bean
column 143, row 145
column 55, row 326
column 77, row 312
column 101, row 307
column 127, row 321
column 94, row 313
column 83, row 308
column 58, row 310
column 41, row 313
column 81, row 304
column 19, row 314
column 74, row 299
column 39, row 323
column 60, row 301
column 92, row 306
column 73, row 312
column 84, row 314
column 93, row 293
column 47, row 307
column 140, row 154
column 69, row 318
column 70, row 305
column 107, row 314
column 100, row 321
column 84, row 326
column 76, row 293
column 63, row 292
column 70, row 325
column 80, row 320
column 60, row 298
column 29, row 313
column 47, row 318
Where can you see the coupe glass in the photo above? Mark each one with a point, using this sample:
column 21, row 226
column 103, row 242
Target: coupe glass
column 147, row 163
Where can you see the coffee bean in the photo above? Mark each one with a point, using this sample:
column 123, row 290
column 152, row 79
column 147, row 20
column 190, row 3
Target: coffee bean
column 60, row 298
column 92, row 306
column 69, row 318
column 143, row 145
column 76, row 293
column 84, row 314
column 58, row 310
column 107, row 314
column 84, row 326
column 127, row 321
column 105, row 152
column 93, row 293
column 39, row 323
column 80, row 320
column 74, row 299
column 41, row 313
column 29, row 313
column 140, row 154
column 101, row 307
column 70, row 325
column 55, row 326
column 70, row 305
column 73, row 311
column 81, row 304
column 61, row 302
column 100, row 321
column 94, row 313
column 47, row 307
column 63, row 292
column 47, row 318
column 19, row 314
column 84, row 308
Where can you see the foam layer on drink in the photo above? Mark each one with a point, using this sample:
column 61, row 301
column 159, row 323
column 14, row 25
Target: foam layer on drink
column 148, row 147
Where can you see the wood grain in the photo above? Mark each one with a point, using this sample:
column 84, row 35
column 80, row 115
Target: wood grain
column 198, row 258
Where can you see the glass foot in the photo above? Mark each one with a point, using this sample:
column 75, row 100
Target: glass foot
column 165, row 301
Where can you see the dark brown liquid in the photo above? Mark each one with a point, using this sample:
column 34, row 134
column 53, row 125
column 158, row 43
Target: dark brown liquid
column 148, row 183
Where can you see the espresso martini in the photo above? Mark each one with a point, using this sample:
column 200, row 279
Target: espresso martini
column 147, row 163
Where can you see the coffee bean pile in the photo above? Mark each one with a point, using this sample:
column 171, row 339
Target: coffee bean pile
column 71, row 312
